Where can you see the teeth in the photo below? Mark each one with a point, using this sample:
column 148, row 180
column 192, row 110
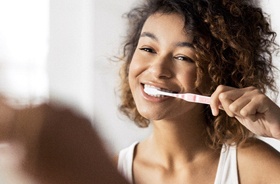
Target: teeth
column 157, row 96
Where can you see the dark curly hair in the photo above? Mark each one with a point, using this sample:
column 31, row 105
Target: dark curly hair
column 233, row 43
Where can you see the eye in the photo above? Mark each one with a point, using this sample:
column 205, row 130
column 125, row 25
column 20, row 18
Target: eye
column 184, row 58
column 147, row 49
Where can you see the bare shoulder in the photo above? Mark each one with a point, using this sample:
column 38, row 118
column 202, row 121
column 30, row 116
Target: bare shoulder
column 258, row 162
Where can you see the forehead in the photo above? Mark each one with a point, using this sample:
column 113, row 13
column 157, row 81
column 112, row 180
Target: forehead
column 167, row 25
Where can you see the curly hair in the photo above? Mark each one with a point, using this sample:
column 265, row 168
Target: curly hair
column 233, row 44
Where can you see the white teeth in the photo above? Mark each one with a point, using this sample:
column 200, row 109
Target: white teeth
column 157, row 96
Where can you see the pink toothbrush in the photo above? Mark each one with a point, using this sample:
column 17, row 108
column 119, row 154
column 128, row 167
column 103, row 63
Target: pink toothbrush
column 185, row 96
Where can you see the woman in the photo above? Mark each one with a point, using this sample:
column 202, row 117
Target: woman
column 217, row 48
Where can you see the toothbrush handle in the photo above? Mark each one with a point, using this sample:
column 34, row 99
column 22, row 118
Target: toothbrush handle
column 202, row 99
column 195, row 98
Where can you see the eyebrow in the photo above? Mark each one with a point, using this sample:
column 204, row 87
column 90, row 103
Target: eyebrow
column 150, row 35
column 179, row 44
column 185, row 44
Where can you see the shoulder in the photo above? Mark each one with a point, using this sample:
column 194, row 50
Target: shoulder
column 258, row 161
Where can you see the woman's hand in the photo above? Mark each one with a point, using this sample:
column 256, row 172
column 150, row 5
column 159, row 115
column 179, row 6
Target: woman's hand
column 250, row 107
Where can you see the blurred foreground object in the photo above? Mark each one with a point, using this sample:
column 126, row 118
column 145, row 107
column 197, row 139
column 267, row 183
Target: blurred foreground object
column 50, row 144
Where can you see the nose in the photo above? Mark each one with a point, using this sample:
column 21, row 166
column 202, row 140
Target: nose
column 161, row 68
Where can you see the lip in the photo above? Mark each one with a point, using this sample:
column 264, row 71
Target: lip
column 152, row 98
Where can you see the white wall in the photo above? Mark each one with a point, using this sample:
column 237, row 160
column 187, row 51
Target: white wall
column 117, row 131
column 71, row 52
column 23, row 50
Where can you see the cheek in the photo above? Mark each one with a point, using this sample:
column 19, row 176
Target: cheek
column 131, row 72
column 188, row 79
column 134, row 71
column 136, row 67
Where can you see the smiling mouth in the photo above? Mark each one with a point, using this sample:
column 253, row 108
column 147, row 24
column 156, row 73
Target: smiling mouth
column 160, row 89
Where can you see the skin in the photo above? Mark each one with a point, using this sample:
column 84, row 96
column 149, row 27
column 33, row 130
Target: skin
column 164, row 59
column 251, row 107
column 176, row 142
column 164, row 70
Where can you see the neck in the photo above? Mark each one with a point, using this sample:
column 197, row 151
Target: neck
column 180, row 136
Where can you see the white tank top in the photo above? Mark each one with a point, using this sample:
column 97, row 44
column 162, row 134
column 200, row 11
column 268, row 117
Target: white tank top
column 227, row 168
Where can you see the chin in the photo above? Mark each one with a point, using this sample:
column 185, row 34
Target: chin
column 152, row 115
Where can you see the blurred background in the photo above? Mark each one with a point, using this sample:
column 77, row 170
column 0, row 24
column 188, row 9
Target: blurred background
column 63, row 50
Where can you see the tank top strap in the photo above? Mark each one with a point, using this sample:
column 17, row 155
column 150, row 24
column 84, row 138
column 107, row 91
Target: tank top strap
column 227, row 168
column 125, row 162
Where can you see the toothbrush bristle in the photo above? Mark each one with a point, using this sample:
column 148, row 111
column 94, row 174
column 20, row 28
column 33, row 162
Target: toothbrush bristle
column 151, row 91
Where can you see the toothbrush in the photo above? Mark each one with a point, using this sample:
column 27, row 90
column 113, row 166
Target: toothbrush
column 190, row 97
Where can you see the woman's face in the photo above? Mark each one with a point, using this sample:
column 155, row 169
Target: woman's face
column 164, row 58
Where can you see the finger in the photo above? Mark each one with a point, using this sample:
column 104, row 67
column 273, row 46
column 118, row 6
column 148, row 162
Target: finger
column 226, row 102
column 238, row 104
column 241, row 98
column 232, row 93
column 215, row 103
column 258, row 105
column 222, row 98
column 253, row 102
column 235, row 99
